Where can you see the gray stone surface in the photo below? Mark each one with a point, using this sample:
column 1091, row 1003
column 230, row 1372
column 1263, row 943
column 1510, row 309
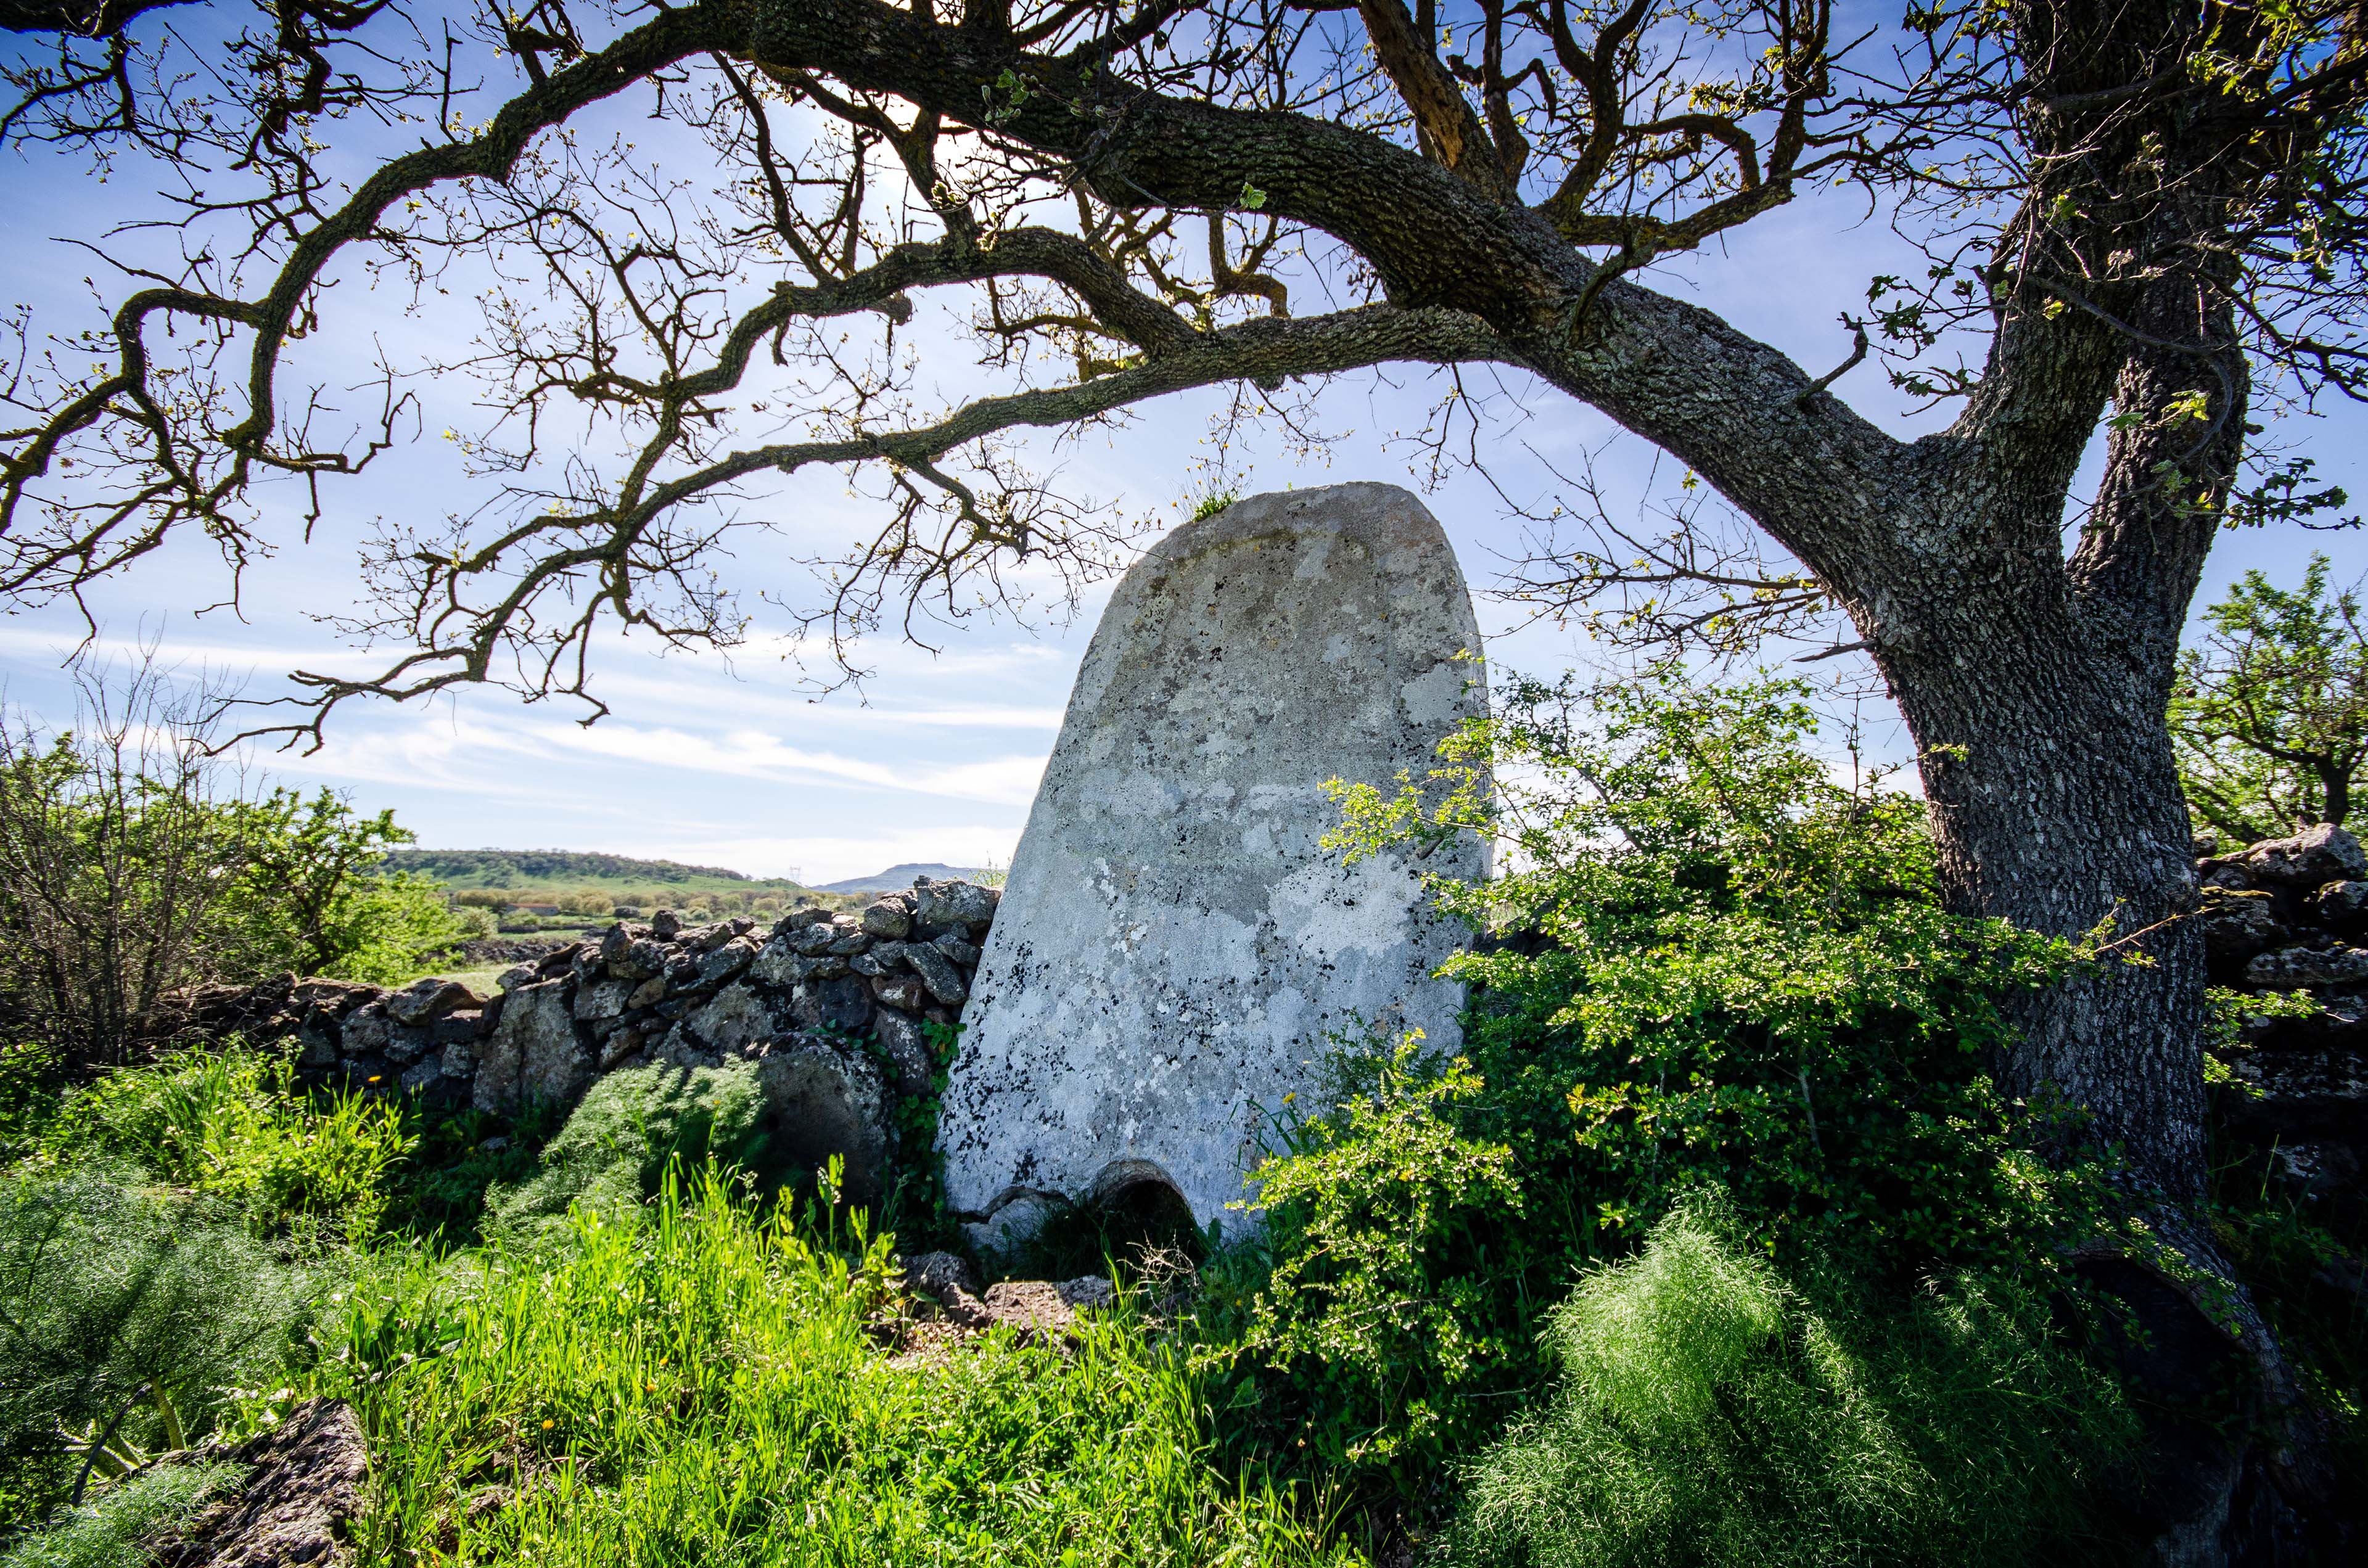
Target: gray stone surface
column 823, row 1102
column 1172, row 944
column 534, row 1052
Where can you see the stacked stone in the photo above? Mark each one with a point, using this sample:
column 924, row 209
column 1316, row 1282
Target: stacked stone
column 2285, row 915
column 660, row 993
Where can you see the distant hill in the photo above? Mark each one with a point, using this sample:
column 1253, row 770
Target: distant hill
column 522, row 869
column 895, row 879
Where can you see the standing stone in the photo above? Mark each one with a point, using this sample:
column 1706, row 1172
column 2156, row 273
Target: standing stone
column 1173, row 943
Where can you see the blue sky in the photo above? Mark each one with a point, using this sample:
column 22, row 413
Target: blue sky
column 729, row 760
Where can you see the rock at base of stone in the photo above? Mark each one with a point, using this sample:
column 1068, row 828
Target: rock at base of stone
column 1006, row 1232
column 940, row 1274
column 1174, row 945
column 306, row 1483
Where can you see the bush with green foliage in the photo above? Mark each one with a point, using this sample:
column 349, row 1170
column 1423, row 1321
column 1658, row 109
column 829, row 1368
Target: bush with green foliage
column 133, row 866
column 128, row 1314
column 2270, row 716
column 232, row 1125
column 1722, row 966
column 1710, row 1411
column 314, row 895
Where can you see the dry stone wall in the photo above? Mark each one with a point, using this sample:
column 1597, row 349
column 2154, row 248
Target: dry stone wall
column 833, row 1008
column 2287, row 916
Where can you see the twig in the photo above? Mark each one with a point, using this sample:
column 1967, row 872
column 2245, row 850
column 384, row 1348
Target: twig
column 1858, row 353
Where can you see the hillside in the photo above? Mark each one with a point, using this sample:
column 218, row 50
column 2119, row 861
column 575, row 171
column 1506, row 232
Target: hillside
column 896, row 878
column 526, row 869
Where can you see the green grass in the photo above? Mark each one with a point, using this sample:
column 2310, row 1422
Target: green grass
column 699, row 1381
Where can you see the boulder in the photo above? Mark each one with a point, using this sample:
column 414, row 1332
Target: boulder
column 306, row 1483
column 424, row 1001
column 889, row 920
column 1173, row 945
column 943, row 1274
column 2318, row 854
column 1011, row 1224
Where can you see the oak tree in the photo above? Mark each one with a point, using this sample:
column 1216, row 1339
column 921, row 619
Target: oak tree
column 2141, row 221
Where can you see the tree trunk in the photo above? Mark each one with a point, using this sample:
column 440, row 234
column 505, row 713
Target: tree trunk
column 2057, row 805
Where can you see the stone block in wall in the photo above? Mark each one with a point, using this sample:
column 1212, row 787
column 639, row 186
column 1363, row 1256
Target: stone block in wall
column 2318, row 854
column 954, row 903
column 602, row 999
column 904, row 992
column 813, row 941
column 424, row 1001
column 737, row 1018
column 906, row 1047
column 726, row 961
column 2290, row 967
column 843, row 1002
column 366, row 1033
column 406, row 1043
column 535, row 1052
column 820, row 1101
column 937, row 972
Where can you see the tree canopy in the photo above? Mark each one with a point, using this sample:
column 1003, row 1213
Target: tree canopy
column 2129, row 213
column 2270, row 712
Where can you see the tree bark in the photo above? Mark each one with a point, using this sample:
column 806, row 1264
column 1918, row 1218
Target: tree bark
column 2056, row 804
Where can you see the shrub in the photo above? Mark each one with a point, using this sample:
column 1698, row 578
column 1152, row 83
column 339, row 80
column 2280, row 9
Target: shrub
column 133, row 866
column 127, row 1308
column 108, row 1530
column 1711, row 1412
column 1712, row 963
column 625, row 1132
column 232, row 1125
column 114, row 866
column 1374, row 1306
column 313, row 894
